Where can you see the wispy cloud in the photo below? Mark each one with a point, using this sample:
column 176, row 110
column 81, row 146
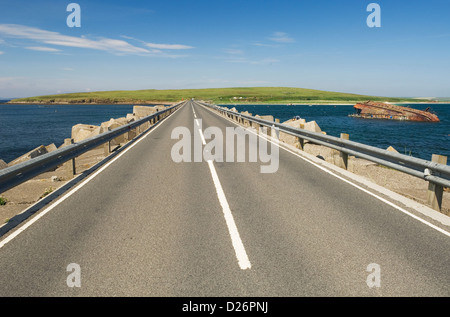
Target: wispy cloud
column 244, row 60
column 281, row 37
column 233, row 51
column 42, row 49
column 67, row 69
column 1, row 52
column 168, row 46
column 57, row 39
column 264, row 45
column 158, row 48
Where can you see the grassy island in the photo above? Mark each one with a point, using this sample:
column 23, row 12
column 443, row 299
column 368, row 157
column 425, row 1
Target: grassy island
column 251, row 95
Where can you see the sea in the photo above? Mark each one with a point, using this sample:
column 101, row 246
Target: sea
column 25, row 127
column 417, row 139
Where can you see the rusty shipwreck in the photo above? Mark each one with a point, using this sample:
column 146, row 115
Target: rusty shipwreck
column 380, row 110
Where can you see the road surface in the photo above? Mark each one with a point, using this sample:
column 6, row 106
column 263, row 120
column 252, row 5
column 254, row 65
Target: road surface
column 148, row 226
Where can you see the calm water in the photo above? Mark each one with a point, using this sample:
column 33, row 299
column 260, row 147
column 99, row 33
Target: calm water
column 24, row 127
column 419, row 139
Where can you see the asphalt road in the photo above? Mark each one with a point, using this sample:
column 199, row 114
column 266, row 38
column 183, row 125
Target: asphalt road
column 148, row 226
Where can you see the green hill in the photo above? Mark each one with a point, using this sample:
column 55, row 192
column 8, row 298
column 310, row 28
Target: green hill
column 274, row 95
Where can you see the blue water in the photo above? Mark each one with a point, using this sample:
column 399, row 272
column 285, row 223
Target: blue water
column 418, row 139
column 24, row 127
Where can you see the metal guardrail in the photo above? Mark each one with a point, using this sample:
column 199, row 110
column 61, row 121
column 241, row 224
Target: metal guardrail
column 430, row 171
column 17, row 174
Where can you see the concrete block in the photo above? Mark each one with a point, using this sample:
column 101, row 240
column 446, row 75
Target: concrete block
column 3, row 164
column 114, row 124
column 82, row 132
column 391, row 149
column 40, row 150
column 51, row 147
column 312, row 126
column 131, row 117
column 111, row 125
column 143, row 111
column 159, row 107
column 268, row 118
column 290, row 139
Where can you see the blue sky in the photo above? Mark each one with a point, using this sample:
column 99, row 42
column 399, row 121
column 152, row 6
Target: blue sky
column 216, row 43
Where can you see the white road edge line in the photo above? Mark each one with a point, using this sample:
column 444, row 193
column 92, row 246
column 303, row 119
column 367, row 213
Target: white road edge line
column 73, row 191
column 239, row 249
column 357, row 186
column 375, row 195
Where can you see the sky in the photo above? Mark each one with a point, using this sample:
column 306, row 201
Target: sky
column 320, row 44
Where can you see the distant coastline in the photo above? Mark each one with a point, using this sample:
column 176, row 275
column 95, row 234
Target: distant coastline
column 230, row 96
column 280, row 103
column 11, row 102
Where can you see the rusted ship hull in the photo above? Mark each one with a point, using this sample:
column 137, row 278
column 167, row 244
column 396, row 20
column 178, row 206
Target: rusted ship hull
column 378, row 110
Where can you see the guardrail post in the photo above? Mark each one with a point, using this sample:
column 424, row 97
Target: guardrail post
column 107, row 146
column 301, row 143
column 70, row 165
column 269, row 131
column 435, row 191
column 248, row 122
column 344, row 156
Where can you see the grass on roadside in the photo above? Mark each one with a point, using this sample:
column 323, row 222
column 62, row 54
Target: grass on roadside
column 47, row 192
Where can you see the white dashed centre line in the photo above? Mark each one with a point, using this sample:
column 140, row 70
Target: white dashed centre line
column 238, row 246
